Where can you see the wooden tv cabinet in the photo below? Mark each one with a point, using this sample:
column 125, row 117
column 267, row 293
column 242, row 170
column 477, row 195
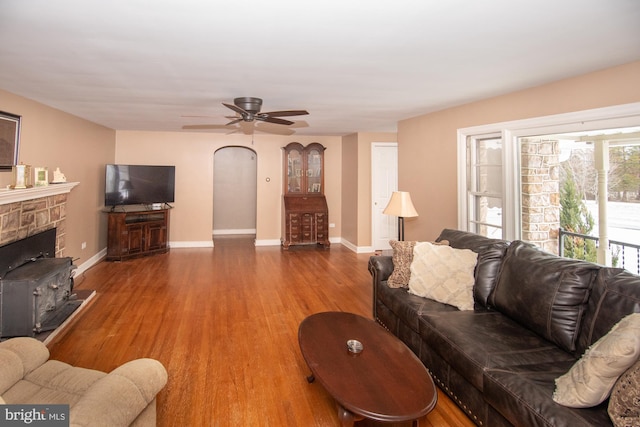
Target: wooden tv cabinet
column 137, row 233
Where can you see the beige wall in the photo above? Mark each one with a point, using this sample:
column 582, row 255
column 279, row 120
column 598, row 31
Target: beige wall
column 192, row 154
column 350, row 189
column 356, row 186
column 52, row 138
column 427, row 144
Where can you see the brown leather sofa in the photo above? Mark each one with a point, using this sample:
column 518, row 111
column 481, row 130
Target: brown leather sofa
column 499, row 361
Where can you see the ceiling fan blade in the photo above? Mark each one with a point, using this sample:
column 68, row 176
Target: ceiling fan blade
column 233, row 122
column 273, row 120
column 286, row 113
column 236, row 109
column 274, row 129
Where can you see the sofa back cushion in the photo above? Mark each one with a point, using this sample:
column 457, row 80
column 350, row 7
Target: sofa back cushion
column 544, row 292
column 490, row 253
column 615, row 294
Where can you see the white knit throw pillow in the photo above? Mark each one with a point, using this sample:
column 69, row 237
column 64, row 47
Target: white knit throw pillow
column 590, row 380
column 444, row 274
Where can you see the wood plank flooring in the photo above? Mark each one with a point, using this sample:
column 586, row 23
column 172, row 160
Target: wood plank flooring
column 224, row 322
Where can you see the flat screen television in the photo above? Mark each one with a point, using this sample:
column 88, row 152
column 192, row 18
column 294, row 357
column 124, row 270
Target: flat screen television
column 139, row 184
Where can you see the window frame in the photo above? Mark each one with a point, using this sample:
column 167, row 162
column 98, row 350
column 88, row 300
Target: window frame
column 625, row 115
column 472, row 191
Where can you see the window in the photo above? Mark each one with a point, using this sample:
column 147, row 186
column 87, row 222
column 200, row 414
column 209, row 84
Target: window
column 484, row 185
column 510, row 173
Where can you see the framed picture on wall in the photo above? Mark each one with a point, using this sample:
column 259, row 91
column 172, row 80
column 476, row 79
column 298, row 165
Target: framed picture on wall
column 9, row 140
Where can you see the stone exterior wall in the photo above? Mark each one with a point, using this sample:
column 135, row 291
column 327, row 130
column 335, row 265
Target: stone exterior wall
column 23, row 219
column 541, row 193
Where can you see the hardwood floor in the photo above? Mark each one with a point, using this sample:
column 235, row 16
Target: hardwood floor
column 224, row 322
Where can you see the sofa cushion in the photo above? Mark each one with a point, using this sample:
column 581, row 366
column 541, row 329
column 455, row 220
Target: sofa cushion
column 522, row 394
column 444, row 274
column 624, row 403
column 490, row 253
column 408, row 307
column 472, row 341
column 543, row 292
column 590, row 379
column 615, row 293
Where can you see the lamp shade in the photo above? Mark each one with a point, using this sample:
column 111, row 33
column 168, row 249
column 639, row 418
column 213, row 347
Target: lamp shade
column 400, row 205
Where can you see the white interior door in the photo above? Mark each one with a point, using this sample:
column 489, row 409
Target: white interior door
column 384, row 181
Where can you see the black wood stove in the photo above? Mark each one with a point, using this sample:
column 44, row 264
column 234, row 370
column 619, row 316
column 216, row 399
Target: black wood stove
column 35, row 288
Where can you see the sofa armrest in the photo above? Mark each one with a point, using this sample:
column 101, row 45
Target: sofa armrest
column 118, row 398
column 380, row 267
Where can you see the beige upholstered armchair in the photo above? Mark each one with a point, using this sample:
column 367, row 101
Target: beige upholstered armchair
column 125, row 396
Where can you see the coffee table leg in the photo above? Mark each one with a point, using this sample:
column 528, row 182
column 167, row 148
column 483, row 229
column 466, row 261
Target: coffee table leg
column 347, row 419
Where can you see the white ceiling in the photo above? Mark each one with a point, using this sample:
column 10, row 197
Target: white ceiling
column 355, row 65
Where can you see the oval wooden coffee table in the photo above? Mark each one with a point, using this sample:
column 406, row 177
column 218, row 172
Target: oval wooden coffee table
column 384, row 382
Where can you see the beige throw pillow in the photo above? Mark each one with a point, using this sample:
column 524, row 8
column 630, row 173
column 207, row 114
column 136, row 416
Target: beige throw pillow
column 590, row 380
column 444, row 274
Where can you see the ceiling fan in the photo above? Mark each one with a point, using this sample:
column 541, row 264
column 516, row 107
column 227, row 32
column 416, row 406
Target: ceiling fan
column 249, row 110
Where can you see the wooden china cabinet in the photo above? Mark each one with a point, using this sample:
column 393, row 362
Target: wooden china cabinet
column 306, row 216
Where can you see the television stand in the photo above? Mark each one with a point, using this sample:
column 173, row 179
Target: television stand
column 137, row 233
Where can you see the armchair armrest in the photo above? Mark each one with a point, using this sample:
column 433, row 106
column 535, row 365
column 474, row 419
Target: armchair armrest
column 18, row 357
column 118, row 398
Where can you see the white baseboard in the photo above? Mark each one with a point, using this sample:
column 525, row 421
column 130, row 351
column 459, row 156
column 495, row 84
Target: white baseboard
column 357, row 249
column 91, row 262
column 234, row 231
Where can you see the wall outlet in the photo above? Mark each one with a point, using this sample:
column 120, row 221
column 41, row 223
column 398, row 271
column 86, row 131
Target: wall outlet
column 332, row 225
column 84, row 245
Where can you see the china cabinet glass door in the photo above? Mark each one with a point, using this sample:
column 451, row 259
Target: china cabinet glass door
column 314, row 171
column 295, row 172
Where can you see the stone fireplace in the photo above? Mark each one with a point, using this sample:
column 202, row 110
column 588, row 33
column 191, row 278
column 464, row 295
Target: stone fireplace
column 26, row 212
column 36, row 280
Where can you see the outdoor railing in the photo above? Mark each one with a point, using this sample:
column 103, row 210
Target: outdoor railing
column 623, row 254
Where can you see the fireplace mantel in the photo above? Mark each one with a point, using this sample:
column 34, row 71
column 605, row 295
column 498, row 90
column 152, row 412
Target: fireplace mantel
column 18, row 195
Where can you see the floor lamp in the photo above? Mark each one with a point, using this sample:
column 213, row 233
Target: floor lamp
column 401, row 206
